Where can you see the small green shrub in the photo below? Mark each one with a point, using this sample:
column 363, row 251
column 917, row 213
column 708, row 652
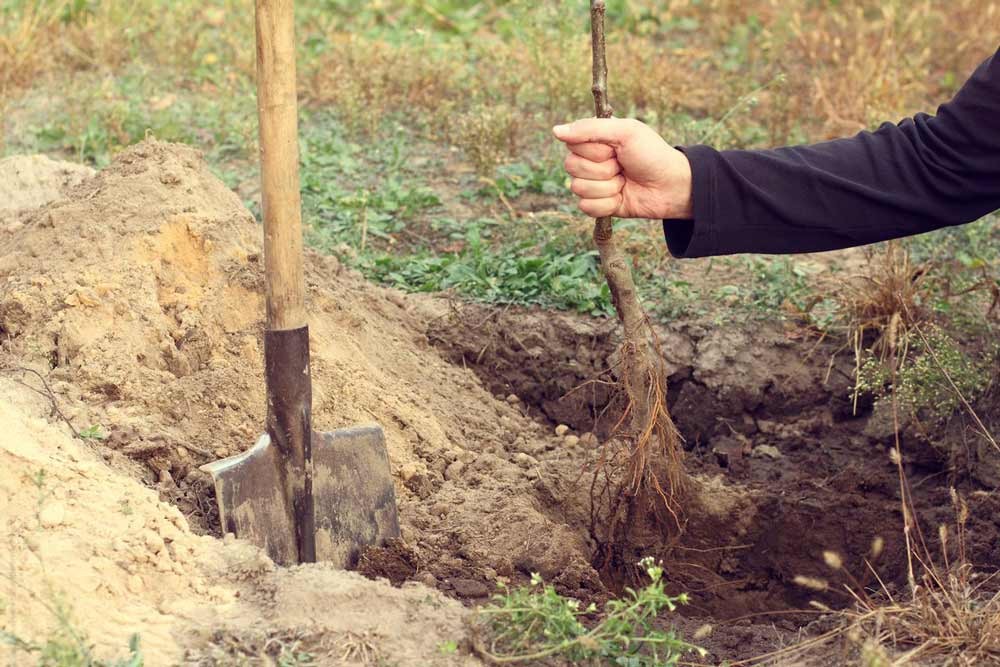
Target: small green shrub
column 923, row 384
column 534, row 622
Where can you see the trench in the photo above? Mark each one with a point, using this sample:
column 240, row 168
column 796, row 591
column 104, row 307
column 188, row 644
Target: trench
column 763, row 417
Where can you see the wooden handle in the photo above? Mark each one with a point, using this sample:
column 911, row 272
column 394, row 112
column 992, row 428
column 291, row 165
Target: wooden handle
column 277, row 112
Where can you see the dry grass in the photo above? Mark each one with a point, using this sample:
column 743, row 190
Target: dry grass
column 949, row 615
column 791, row 71
column 881, row 304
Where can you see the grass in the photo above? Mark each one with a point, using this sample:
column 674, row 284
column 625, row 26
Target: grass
column 395, row 93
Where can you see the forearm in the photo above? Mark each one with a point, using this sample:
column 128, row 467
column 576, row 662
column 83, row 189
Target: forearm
column 925, row 173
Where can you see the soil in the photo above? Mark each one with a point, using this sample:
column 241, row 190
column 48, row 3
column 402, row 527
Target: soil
column 136, row 295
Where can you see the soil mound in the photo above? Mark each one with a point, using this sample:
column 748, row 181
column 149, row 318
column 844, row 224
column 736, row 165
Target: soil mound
column 139, row 298
column 30, row 181
column 90, row 551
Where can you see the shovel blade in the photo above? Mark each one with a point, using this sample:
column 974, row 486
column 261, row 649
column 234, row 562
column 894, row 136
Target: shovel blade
column 353, row 496
column 353, row 493
column 252, row 504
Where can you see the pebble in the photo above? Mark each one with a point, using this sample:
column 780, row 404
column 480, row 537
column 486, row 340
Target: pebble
column 52, row 515
column 470, row 588
column 135, row 584
column 765, row 451
column 589, row 440
column 513, row 399
column 163, row 562
column 562, row 430
column 426, row 578
column 408, row 471
column 454, row 470
column 153, row 541
column 571, row 441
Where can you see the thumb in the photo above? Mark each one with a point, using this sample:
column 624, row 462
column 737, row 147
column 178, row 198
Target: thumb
column 611, row 131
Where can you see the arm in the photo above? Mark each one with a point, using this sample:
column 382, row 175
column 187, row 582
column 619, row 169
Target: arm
column 922, row 174
column 925, row 173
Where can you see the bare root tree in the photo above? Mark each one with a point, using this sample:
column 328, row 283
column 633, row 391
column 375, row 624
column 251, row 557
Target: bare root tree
column 641, row 474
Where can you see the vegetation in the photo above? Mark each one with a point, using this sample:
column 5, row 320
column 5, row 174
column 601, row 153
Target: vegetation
column 418, row 113
column 534, row 622
column 67, row 647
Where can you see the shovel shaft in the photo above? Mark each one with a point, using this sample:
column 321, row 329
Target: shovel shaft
column 289, row 407
column 277, row 111
column 286, row 342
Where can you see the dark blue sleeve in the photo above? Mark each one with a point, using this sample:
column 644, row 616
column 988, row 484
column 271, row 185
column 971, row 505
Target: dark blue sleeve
column 924, row 173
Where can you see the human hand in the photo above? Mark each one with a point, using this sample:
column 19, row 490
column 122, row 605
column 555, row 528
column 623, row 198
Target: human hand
column 623, row 168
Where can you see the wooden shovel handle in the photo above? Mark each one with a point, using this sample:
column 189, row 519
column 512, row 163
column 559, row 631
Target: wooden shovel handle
column 277, row 111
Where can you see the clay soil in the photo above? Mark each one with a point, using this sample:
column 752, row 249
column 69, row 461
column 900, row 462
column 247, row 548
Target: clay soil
column 132, row 300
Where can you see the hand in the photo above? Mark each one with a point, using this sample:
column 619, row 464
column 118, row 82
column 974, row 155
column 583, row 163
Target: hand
column 623, row 168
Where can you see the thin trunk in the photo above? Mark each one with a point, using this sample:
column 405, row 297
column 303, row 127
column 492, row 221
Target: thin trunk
column 653, row 466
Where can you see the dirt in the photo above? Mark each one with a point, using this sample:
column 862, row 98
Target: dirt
column 83, row 537
column 30, row 181
column 136, row 295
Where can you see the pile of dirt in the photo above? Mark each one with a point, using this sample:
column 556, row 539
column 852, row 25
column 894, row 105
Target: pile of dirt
column 90, row 551
column 137, row 298
column 30, row 181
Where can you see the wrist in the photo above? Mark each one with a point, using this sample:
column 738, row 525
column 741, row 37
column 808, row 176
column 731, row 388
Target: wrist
column 680, row 202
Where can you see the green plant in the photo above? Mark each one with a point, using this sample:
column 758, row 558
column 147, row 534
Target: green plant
column 67, row 646
column 550, row 276
column 534, row 622
column 93, row 432
column 931, row 368
column 512, row 180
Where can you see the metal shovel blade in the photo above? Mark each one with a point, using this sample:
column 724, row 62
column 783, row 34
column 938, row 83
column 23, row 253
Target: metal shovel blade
column 353, row 497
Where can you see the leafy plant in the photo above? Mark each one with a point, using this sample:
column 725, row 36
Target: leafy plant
column 553, row 277
column 925, row 375
column 534, row 622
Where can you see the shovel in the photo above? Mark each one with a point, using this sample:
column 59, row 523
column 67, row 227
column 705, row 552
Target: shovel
column 301, row 495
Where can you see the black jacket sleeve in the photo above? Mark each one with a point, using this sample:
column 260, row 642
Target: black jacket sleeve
column 924, row 173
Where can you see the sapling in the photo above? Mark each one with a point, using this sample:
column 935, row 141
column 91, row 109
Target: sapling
column 645, row 455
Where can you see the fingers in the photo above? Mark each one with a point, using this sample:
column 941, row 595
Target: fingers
column 601, row 208
column 593, row 152
column 588, row 189
column 611, row 131
column 581, row 167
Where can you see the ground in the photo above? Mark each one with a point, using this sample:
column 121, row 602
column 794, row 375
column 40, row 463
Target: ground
column 455, row 299
column 133, row 302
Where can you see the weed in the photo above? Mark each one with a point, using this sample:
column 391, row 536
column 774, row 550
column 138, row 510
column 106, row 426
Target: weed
column 513, row 180
column 487, row 135
column 534, row 622
column 932, row 377
column 554, row 277
column 93, row 433
column 67, row 646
